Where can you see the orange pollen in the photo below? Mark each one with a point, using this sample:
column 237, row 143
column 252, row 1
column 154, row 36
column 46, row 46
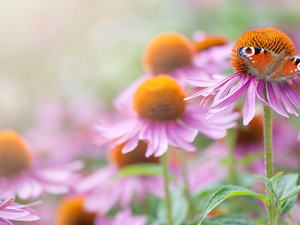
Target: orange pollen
column 70, row 212
column 266, row 38
column 252, row 133
column 159, row 98
column 210, row 41
column 168, row 52
column 15, row 155
column 134, row 157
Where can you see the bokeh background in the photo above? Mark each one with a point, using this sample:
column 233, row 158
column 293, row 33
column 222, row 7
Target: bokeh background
column 80, row 54
column 56, row 50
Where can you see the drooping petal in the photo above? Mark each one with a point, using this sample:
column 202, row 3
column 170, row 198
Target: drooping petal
column 163, row 141
column 211, row 89
column 250, row 105
column 260, row 92
column 274, row 102
column 285, row 100
column 292, row 95
column 231, row 98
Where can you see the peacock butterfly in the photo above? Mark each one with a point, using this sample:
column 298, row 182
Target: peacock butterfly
column 269, row 65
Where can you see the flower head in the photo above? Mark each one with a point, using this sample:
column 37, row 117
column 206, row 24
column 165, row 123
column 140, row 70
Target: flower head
column 205, row 41
column 104, row 185
column 10, row 211
column 279, row 96
column 266, row 38
column 168, row 52
column 134, row 157
column 19, row 174
column 160, row 117
column 70, row 211
column 176, row 56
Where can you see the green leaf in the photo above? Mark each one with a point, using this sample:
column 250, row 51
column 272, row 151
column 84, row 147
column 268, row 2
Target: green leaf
column 143, row 169
column 224, row 193
column 285, row 184
column 179, row 208
column 228, row 219
column 272, row 185
column 291, row 193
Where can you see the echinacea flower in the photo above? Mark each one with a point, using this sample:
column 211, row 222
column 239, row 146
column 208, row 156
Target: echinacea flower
column 213, row 53
column 10, row 211
column 20, row 176
column 105, row 189
column 161, row 117
column 229, row 89
column 175, row 55
column 70, row 211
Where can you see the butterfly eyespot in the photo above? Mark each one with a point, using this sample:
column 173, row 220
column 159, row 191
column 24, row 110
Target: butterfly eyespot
column 247, row 51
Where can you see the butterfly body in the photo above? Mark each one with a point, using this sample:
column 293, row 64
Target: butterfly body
column 268, row 65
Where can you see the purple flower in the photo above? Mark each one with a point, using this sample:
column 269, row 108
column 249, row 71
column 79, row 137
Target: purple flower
column 159, row 116
column 280, row 96
column 10, row 211
column 174, row 55
column 19, row 174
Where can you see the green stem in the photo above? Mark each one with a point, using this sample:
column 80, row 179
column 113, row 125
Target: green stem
column 231, row 143
column 272, row 215
column 187, row 192
column 164, row 162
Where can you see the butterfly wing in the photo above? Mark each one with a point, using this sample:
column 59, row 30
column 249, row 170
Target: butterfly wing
column 257, row 60
column 289, row 68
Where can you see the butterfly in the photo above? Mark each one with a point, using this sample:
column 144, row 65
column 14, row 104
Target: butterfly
column 266, row 64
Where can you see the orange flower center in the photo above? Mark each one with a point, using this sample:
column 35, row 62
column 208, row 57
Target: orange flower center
column 266, row 38
column 134, row 157
column 15, row 156
column 210, row 41
column 168, row 52
column 70, row 212
column 159, row 98
column 251, row 133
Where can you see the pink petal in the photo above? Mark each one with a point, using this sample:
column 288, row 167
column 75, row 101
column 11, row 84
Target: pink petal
column 249, row 108
column 285, row 100
column 260, row 92
column 292, row 95
column 274, row 101
column 163, row 141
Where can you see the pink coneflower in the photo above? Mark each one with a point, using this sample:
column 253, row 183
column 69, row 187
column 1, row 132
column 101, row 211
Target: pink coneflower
column 161, row 117
column 10, row 211
column 70, row 211
column 229, row 89
column 20, row 176
column 175, row 55
column 213, row 53
column 103, row 186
